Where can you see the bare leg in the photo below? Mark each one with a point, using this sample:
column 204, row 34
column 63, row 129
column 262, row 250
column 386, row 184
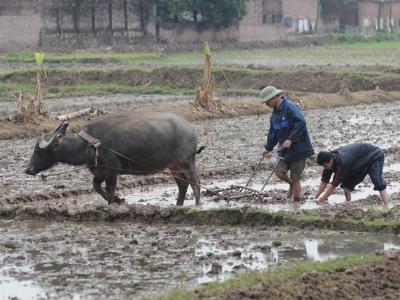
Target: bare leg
column 284, row 177
column 296, row 188
column 384, row 197
column 347, row 194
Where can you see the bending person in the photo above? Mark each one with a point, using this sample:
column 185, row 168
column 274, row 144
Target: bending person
column 350, row 165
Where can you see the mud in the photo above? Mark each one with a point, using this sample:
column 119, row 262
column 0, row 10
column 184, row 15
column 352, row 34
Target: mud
column 233, row 148
column 66, row 260
column 130, row 250
column 374, row 281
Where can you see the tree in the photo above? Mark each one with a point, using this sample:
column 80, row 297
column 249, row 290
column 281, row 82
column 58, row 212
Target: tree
column 221, row 13
column 345, row 10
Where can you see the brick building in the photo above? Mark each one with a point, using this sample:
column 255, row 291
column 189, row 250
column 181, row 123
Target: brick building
column 97, row 23
column 376, row 15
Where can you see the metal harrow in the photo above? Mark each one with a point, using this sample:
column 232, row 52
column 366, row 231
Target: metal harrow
column 250, row 191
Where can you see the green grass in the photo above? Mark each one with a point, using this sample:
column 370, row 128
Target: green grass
column 82, row 57
column 283, row 276
column 9, row 91
column 350, row 49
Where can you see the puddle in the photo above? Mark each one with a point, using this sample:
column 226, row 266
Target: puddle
column 165, row 195
column 22, row 290
column 92, row 260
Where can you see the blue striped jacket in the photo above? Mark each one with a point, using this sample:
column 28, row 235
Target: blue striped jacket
column 288, row 122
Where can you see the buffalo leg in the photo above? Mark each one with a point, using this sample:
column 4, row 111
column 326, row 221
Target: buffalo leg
column 111, row 185
column 97, row 181
column 182, row 183
column 193, row 179
column 182, row 187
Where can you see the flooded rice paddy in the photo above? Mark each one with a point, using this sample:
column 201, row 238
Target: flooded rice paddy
column 66, row 260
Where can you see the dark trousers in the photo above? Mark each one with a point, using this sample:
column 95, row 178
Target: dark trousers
column 375, row 172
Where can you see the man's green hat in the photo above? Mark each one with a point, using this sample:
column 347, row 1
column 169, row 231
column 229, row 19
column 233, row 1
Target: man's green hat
column 268, row 93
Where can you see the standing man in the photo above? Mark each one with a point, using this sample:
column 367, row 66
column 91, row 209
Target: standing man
column 288, row 129
column 350, row 164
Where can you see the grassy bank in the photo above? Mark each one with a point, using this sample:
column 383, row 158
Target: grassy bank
column 281, row 279
column 63, row 82
column 336, row 52
column 369, row 221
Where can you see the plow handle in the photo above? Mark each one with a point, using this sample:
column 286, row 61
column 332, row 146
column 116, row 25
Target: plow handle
column 254, row 171
column 272, row 172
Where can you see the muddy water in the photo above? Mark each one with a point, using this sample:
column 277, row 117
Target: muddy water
column 63, row 260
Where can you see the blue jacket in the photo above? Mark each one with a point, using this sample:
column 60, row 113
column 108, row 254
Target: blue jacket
column 288, row 122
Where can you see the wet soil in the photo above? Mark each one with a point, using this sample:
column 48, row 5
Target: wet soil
column 374, row 281
column 233, row 148
column 234, row 141
column 96, row 260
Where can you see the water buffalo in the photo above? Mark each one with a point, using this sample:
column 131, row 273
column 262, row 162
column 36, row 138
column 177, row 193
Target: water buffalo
column 126, row 144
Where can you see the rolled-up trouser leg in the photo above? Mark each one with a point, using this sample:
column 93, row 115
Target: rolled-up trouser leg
column 375, row 171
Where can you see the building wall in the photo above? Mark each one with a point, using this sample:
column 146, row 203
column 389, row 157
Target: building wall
column 191, row 34
column 371, row 21
column 18, row 32
column 268, row 20
column 20, row 23
column 304, row 14
column 61, row 23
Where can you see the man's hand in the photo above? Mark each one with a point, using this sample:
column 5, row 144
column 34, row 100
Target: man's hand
column 286, row 144
column 266, row 153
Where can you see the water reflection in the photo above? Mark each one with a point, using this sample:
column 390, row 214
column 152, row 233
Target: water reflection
column 226, row 260
column 297, row 248
column 390, row 246
column 313, row 252
column 22, row 290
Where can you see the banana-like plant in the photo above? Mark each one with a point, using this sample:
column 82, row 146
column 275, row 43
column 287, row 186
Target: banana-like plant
column 41, row 75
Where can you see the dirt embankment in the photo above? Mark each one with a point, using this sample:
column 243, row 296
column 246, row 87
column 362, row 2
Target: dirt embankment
column 373, row 281
column 233, row 107
column 340, row 218
column 305, row 79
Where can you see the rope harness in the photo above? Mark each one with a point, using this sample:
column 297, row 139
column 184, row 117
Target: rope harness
column 95, row 143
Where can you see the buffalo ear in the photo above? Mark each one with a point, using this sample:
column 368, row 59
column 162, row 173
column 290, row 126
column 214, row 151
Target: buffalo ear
column 62, row 129
column 54, row 136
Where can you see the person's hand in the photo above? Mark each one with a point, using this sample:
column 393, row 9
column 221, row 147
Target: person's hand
column 266, row 153
column 321, row 200
column 286, row 144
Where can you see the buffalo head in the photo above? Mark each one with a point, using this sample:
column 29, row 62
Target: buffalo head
column 46, row 150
